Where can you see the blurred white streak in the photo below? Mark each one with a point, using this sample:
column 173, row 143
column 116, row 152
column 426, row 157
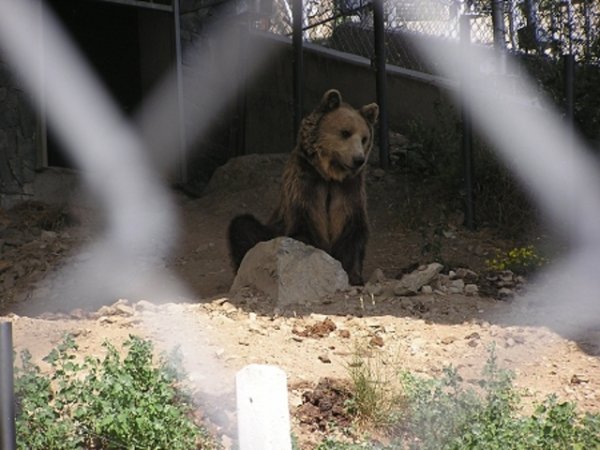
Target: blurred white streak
column 127, row 261
column 140, row 218
column 531, row 138
column 550, row 161
column 213, row 77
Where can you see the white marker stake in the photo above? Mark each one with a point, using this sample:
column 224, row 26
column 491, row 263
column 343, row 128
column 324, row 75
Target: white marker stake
column 262, row 408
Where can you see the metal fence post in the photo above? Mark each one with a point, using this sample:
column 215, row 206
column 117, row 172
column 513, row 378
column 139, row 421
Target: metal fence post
column 467, row 132
column 381, row 82
column 499, row 34
column 569, row 76
column 8, row 440
column 297, row 43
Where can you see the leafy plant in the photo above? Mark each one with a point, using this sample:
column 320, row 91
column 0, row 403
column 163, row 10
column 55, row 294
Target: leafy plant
column 111, row 403
column 520, row 260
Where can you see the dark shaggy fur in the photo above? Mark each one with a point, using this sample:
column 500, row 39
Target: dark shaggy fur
column 323, row 199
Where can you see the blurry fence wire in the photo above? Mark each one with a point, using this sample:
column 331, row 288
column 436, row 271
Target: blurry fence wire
column 548, row 28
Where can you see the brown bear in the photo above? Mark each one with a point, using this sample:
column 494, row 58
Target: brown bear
column 323, row 200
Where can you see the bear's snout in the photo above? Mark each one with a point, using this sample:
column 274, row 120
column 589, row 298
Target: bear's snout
column 358, row 161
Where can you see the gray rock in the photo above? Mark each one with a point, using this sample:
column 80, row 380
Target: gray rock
column 467, row 275
column 456, row 286
column 290, row 272
column 471, row 289
column 412, row 282
column 505, row 293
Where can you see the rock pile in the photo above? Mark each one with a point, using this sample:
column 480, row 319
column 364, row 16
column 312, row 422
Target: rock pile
column 427, row 279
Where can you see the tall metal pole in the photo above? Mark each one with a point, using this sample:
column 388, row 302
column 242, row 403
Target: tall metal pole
column 467, row 132
column 569, row 71
column 381, row 83
column 499, row 34
column 297, row 43
column 8, row 440
column 182, row 145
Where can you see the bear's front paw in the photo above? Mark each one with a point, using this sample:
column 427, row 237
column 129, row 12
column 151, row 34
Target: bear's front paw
column 355, row 279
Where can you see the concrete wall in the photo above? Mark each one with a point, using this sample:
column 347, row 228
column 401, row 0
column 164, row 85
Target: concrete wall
column 269, row 115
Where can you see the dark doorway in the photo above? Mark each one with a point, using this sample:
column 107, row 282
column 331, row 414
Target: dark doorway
column 129, row 48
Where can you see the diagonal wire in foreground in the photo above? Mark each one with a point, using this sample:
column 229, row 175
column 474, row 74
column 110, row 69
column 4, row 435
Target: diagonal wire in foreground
column 555, row 167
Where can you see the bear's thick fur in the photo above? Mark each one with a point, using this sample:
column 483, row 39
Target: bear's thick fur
column 323, row 199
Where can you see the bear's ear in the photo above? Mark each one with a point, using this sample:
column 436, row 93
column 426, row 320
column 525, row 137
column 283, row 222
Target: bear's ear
column 370, row 112
column 331, row 100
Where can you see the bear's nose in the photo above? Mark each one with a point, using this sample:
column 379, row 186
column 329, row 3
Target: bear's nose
column 358, row 161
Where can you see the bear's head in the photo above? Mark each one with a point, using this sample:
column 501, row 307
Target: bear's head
column 337, row 138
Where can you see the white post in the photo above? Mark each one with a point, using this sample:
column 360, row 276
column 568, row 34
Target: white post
column 262, row 408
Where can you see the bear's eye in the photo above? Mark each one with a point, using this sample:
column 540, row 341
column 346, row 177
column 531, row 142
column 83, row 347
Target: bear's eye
column 364, row 140
column 345, row 134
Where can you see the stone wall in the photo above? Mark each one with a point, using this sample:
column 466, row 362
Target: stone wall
column 18, row 138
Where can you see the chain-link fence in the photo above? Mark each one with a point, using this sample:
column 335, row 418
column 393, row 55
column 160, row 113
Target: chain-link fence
column 541, row 34
column 547, row 28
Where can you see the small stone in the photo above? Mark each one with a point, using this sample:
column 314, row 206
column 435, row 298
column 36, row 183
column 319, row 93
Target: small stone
column 145, row 305
column 79, row 314
column 325, row 359
column 448, row 340
column 219, row 352
column 458, row 284
column 344, row 334
column 372, row 323
column 510, row 342
column 220, row 301
column 228, row 308
column 471, row 289
column 123, row 310
column 389, row 328
column 473, row 335
column 467, row 275
column 505, row 293
column 473, row 343
column 579, row 379
column 376, row 341
column 427, row 290
column 452, row 274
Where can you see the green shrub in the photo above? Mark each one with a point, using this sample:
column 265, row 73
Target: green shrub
column 111, row 403
column 444, row 414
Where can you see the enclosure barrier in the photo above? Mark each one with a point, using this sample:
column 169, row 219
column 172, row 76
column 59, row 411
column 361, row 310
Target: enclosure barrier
column 262, row 408
column 7, row 397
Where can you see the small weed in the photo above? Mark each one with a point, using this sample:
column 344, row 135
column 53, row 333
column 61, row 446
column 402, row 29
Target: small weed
column 376, row 398
column 112, row 403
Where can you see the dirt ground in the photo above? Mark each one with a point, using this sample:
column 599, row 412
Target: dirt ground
column 312, row 343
